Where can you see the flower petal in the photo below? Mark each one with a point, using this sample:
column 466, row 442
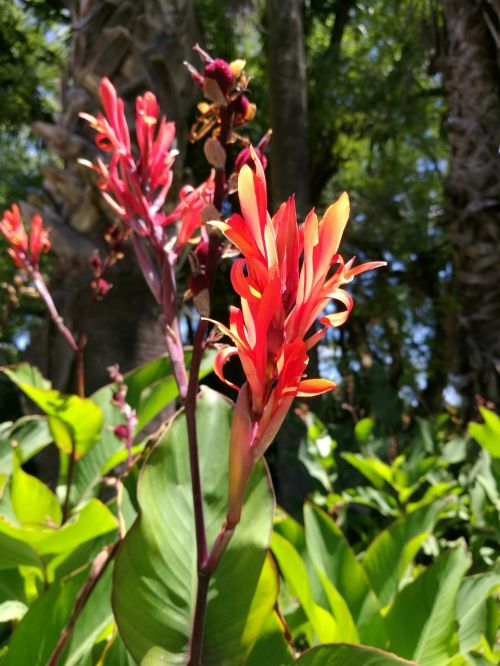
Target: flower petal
column 220, row 360
column 311, row 387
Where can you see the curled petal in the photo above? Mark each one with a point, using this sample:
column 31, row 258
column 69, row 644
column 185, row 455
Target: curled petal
column 311, row 387
column 241, row 283
column 368, row 266
column 336, row 319
column 220, row 361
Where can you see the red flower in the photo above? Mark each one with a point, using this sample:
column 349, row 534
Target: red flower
column 280, row 301
column 245, row 155
column 192, row 201
column 25, row 255
column 135, row 188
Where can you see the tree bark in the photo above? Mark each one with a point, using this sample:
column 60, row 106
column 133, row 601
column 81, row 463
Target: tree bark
column 472, row 76
column 288, row 104
column 139, row 45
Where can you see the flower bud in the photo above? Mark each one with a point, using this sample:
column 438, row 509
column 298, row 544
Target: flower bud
column 219, row 70
column 121, row 431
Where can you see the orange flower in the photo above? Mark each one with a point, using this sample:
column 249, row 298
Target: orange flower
column 23, row 254
column 192, row 201
column 280, row 301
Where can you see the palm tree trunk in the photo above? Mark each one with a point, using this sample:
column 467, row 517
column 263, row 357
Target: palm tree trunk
column 139, row 45
column 472, row 78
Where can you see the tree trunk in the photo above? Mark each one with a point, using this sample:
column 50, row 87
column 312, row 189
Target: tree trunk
column 139, row 45
column 288, row 104
column 472, row 78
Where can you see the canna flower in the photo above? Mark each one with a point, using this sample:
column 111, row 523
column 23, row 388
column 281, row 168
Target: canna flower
column 245, row 155
column 192, row 201
column 134, row 188
column 281, row 299
column 24, row 252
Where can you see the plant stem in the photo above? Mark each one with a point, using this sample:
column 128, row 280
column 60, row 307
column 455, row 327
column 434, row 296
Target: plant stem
column 203, row 558
column 41, row 287
column 97, row 569
column 69, row 482
column 199, row 620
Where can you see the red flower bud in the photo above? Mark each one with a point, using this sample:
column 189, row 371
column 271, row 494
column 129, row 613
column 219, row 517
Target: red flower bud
column 240, row 105
column 244, row 157
column 220, row 71
column 201, row 252
column 121, row 431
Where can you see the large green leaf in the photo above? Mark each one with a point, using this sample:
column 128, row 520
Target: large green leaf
column 294, row 572
column 155, row 572
column 271, row 647
column 33, row 503
column 14, row 552
column 472, row 609
column 95, row 617
column 343, row 654
column 487, row 434
column 331, row 553
column 89, row 470
column 376, row 471
column 28, row 435
column 73, row 421
column 36, row 635
column 93, row 520
column 152, row 386
column 150, row 389
column 389, row 555
column 421, row 623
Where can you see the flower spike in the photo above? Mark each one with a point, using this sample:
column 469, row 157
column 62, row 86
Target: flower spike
column 281, row 298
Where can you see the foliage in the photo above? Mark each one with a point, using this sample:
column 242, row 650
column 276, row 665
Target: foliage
column 167, row 546
column 384, row 599
column 396, row 475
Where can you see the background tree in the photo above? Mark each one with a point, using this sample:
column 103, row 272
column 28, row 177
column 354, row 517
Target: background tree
column 472, row 74
column 140, row 46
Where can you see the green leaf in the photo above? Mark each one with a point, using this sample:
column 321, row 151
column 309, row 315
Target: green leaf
column 28, row 435
column 421, row 623
column 24, row 373
column 93, row 520
column 271, row 646
column 117, row 654
column 487, row 434
column 294, row 572
column 14, row 552
column 472, row 610
column 376, row 471
column 72, row 420
column 12, row 610
column 346, row 629
column 35, row 637
column 90, row 469
column 343, row 654
column 95, row 617
column 34, row 504
column 152, row 387
column 155, row 571
column 363, row 429
column 389, row 555
column 331, row 554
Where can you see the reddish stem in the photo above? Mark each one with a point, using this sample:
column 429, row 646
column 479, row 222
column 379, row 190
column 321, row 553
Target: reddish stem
column 204, row 573
column 97, row 569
